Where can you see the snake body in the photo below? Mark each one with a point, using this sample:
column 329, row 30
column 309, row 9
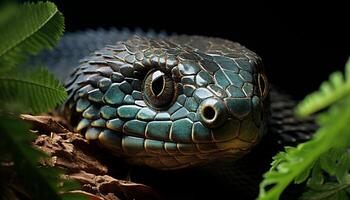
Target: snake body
column 112, row 101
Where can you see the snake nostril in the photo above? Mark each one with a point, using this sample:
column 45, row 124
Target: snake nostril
column 212, row 112
column 209, row 113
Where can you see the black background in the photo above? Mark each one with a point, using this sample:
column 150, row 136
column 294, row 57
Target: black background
column 300, row 44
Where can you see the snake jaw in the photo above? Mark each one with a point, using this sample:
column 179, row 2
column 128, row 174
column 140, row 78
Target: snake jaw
column 216, row 111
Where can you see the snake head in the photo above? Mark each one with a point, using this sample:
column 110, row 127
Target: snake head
column 170, row 103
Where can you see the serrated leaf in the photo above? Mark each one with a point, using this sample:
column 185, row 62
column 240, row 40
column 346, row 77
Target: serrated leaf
column 37, row 91
column 327, row 163
column 332, row 136
column 342, row 167
column 330, row 91
column 317, row 177
column 34, row 26
column 334, row 191
column 278, row 159
column 7, row 10
column 303, row 175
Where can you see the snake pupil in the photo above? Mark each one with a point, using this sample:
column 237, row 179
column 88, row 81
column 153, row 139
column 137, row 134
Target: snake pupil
column 158, row 89
column 158, row 85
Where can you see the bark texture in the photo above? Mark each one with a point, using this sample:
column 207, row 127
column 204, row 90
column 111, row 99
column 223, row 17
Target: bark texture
column 102, row 176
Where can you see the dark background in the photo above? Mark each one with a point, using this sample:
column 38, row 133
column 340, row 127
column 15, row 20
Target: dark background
column 300, row 44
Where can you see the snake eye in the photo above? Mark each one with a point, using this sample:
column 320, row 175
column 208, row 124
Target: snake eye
column 263, row 85
column 158, row 89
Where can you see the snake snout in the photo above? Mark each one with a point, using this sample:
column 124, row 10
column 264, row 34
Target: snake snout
column 212, row 112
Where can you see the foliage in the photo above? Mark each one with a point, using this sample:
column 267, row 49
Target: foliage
column 36, row 91
column 330, row 91
column 25, row 30
column 32, row 27
column 324, row 161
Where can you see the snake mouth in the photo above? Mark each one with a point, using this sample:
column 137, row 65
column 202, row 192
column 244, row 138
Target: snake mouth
column 231, row 140
column 185, row 160
column 170, row 155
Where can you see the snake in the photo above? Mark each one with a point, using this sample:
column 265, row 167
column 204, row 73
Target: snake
column 175, row 102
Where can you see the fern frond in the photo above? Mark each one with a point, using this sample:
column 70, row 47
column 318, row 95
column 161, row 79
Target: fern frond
column 7, row 11
column 328, row 191
column 291, row 165
column 34, row 26
column 37, row 91
column 325, row 152
column 330, row 91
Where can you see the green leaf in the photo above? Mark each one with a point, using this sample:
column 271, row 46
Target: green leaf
column 279, row 158
column 303, row 175
column 7, row 11
column 330, row 91
column 26, row 29
column 342, row 167
column 317, row 177
column 34, row 26
column 328, row 161
column 37, row 91
column 331, row 191
column 325, row 152
column 299, row 159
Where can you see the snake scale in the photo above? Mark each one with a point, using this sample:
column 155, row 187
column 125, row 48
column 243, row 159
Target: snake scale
column 199, row 104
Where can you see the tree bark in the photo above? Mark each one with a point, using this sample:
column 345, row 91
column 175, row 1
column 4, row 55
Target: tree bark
column 101, row 175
